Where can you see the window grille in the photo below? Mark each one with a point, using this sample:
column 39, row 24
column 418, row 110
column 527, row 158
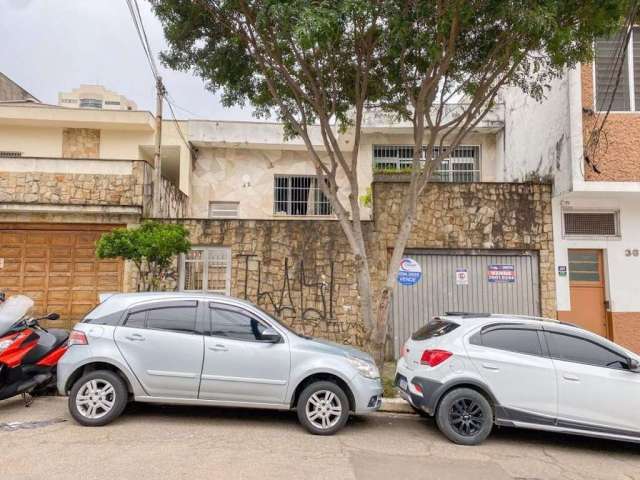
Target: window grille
column 299, row 195
column 207, row 270
column 591, row 224
column 462, row 165
column 10, row 154
column 223, row 209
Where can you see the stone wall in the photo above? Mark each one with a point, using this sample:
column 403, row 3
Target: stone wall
column 472, row 216
column 73, row 189
column 80, row 143
column 300, row 271
column 303, row 271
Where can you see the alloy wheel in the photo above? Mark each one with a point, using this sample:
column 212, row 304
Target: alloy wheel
column 466, row 417
column 95, row 398
column 323, row 409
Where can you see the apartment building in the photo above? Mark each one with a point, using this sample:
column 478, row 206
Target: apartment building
column 586, row 137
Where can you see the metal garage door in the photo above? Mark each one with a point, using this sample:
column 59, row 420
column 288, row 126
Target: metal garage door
column 466, row 281
column 57, row 267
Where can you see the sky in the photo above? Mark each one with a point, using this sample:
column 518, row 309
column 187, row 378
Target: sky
column 50, row 46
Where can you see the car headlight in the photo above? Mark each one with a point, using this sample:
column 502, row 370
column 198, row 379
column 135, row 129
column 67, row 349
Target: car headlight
column 366, row 369
column 5, row 344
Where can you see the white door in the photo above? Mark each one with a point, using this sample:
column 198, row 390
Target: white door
column 594, row 386
column 238, row 365
column 163, row 349
column 510, row 359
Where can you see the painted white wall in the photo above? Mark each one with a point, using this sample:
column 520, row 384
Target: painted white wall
column 621, row 272
column 96, row 167
column 537, row 136
column 31, row 141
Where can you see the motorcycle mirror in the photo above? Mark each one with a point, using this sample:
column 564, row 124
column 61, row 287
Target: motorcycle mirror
column 53, row 316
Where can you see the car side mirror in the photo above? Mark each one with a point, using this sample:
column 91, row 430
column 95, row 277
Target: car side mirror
column 269, row 335
column 633, row 365
column 52, row 316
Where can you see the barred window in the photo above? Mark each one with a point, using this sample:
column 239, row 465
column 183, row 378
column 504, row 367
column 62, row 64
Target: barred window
column 299, row 195
column 600, row 224
column 461, row 165
column 90, row 103
column 206, row 270
column 10, row 154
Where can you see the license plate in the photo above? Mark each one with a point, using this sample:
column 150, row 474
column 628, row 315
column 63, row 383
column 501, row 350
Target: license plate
column 403, row 384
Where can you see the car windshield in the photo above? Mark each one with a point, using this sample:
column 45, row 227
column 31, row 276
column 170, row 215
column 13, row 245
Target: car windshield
column 12, row 310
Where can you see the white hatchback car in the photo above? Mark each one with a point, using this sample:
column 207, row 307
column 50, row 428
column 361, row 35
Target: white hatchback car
column 471, row 371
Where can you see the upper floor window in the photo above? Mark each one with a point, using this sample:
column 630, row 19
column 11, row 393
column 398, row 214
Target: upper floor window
column 462, row 164
column 223, row 209
column 590, row 224
column 617, row 73
column 299, row 195
column 90, row 103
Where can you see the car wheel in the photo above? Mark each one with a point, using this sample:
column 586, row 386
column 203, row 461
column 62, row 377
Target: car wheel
column 323, row 408
column 98, row 398
column 465, row 416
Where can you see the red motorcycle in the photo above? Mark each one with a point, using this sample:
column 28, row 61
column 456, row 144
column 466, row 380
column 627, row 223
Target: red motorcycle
column 29, row 353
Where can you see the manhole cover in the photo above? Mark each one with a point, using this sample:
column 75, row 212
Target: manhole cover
column 13, row 426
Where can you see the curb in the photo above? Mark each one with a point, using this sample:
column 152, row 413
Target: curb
column 396, row 405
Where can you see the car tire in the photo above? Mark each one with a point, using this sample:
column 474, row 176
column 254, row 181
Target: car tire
column 323, row 408
column 98, row 398
column 465, row 416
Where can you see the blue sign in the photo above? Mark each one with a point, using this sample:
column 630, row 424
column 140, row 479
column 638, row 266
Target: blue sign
column 410, row 272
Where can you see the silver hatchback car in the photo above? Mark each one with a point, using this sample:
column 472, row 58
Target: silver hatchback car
column 196, row 349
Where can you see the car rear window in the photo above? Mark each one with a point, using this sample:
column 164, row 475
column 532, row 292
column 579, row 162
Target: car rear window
column 435, row 328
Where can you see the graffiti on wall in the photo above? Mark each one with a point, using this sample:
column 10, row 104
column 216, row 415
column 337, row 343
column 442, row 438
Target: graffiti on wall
column 304, row 295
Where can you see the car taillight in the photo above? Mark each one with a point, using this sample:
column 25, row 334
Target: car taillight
column 77, row 338
column 434, row 357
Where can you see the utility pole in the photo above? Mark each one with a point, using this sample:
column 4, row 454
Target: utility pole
column 157, row 163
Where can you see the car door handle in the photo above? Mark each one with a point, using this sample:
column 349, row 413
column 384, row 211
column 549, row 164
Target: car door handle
column 571, row 378
column 218, row 348
column 135, row 337
column 491, row 367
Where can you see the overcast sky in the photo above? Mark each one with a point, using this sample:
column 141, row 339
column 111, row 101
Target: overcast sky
column 50, row 46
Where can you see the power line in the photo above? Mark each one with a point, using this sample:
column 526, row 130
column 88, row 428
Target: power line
column 134, row 10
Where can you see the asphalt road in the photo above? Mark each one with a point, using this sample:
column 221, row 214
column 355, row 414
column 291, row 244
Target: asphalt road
column 155, row 442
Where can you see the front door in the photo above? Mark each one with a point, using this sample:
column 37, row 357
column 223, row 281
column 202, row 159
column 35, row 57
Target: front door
column 586, row 283
column 238, row 366
column 162, row 347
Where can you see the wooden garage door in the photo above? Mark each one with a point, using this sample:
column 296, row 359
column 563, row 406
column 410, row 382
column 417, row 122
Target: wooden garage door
column 56, row 266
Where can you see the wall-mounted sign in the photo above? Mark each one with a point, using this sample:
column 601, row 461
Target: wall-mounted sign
column 501, row 274
column 410, row 272
column 462, row 276
column 562, row 270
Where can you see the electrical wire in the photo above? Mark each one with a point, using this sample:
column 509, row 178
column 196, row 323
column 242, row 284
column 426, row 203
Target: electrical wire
column 134, row 10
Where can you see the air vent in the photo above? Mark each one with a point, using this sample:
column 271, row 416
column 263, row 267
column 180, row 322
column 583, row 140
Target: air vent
column 223, row 209
column 6, row 154
column 590, row 224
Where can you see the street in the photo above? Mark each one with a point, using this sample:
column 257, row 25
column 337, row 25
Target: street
column 152, row 442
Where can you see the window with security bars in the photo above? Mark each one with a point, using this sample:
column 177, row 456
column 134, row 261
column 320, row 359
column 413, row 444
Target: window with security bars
column 299, row 195
column 223, row 209
column 10, row 154
column 207, row 270
column 617, row 73
column 462, row 164
column 601, row 224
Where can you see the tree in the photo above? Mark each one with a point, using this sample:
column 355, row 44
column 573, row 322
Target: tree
column 151, row 247
column 326, row 63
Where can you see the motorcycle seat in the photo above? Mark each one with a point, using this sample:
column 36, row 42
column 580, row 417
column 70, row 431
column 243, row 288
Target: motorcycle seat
column 48, row 342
